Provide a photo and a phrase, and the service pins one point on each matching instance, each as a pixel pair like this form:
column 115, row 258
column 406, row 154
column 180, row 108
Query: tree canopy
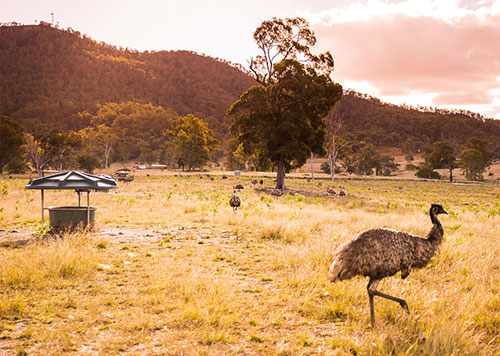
column 442, row 156
column 194, row 142
column 283, row 120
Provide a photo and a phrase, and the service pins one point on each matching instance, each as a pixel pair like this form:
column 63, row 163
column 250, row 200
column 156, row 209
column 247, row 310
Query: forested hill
column 365, row 118
column 50, row 75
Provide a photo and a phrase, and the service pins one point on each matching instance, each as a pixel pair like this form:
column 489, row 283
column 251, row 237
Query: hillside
column 369, row 119
column 49, row 75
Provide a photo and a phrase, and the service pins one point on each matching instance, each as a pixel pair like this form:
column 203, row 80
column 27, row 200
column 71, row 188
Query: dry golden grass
column 172, row 270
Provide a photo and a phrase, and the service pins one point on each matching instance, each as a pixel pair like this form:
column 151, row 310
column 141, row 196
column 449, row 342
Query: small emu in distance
column 380, row 253
column 235, row 201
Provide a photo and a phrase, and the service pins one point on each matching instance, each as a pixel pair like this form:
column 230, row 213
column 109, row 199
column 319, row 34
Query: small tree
column 337, row 147
column 236, row 156
column 88, row 162
column 11, row 141
column 367, row 159
column 63, row 144
column 472, row 163
column 102, row 140
column 193, row 141
column 443, row 156
column 387, row 166
column 349, row 163
column 42, row 146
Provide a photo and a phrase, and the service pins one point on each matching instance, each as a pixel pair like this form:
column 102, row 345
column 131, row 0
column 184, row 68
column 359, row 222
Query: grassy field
column 171, row 270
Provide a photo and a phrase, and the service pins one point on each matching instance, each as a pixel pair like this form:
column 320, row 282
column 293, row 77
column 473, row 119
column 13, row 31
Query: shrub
column 427, row 172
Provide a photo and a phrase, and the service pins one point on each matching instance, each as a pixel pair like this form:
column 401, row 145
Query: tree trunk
column 312, row 166
column 331, row 161
column 451, row 175
column 107, row 151
column 280, row 177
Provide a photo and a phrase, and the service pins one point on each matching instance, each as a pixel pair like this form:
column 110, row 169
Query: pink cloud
column 400, row 54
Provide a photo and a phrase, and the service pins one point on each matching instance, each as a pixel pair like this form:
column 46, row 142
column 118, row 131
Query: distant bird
column 235, row 201
column 254, row 181
column 261, row 182
column 224, row 177
column 330, row 191
column 239, row 187
column 276, row 192
column 341, row 193
column 380, row 253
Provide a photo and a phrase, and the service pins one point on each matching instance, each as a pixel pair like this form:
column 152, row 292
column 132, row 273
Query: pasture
column 171, row 270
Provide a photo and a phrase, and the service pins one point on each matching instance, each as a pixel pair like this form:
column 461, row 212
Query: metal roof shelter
column 79, row 181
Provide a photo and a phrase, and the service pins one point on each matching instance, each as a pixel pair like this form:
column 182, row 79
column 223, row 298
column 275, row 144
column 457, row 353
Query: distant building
column 158, row 166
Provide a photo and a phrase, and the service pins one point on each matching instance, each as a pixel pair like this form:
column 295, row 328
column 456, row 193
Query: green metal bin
column 71, row 217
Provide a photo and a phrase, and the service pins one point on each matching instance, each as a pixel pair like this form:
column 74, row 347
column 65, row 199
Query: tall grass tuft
column 37, row 265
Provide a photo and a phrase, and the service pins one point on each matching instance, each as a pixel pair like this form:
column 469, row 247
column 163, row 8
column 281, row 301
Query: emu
column 380, row 253
column 235, row 201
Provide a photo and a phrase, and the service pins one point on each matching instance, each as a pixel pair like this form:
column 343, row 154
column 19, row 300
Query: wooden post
column 79, row 198
column 42, row 205
column 88, row 209
column 312, row 166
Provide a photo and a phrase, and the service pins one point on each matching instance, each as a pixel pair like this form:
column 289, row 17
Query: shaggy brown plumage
column 235, row 201
column 380, row 253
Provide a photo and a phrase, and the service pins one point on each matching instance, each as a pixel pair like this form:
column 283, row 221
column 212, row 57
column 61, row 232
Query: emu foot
column 404, row 305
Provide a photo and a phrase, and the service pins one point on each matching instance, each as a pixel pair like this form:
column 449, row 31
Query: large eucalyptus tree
column 283, row 118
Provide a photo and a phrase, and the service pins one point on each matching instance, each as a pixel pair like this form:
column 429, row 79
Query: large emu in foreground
column 380, row 253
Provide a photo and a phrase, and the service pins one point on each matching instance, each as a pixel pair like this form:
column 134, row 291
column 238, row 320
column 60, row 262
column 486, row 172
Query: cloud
column 405, row 48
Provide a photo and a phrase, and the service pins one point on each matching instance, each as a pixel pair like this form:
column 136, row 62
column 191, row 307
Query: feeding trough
column 69, row 217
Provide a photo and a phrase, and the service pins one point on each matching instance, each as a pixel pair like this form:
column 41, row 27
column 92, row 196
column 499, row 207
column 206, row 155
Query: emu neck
column 436, row 233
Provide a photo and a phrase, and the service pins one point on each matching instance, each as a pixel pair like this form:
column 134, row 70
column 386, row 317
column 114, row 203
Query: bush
column 427, row 172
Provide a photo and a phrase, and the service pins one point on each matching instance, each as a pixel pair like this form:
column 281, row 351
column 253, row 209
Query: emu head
column 437, row 209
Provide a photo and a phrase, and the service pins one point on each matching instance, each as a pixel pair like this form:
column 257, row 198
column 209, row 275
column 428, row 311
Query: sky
column 439, row 53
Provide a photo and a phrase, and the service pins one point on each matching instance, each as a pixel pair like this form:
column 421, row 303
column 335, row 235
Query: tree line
column 126, row 131
column 87, row 104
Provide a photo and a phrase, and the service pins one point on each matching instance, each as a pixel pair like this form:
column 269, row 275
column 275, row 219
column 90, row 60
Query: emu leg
column 372, row 290
column 370, row 296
